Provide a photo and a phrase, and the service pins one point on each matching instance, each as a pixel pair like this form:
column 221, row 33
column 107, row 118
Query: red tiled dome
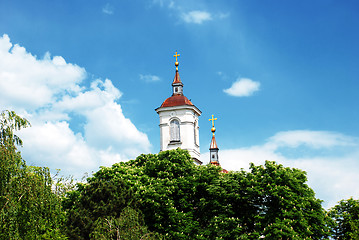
column 176, row 100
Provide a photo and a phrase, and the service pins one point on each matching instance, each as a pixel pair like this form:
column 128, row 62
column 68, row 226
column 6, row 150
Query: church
column 179, row 123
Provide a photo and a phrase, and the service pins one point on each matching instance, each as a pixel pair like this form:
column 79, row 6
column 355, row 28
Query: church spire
column 177, row 85
column 213, row 148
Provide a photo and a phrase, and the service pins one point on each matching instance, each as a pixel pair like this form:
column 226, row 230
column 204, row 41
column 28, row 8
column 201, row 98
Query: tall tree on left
column 28, row 207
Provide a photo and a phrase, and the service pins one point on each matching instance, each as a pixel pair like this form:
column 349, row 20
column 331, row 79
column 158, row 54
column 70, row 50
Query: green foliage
column 29, row 208
column 129, row 225
column 346, row 219
column 100, row 209
column 10, row 122
column 168, row 187
column 62, row 185
column 11, row 164
column 183, row 201
column 271, row 202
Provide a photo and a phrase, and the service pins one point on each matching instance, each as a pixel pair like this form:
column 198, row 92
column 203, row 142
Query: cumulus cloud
column 100, row 93
column 114, row 130
column 332, row 176
column 149, row 78
column 54, row 144
column 49, row 92
column 243, row 87
column 28, row 82
column 197, row 17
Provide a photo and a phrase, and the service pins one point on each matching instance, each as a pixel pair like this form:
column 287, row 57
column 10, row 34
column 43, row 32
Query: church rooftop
column 176, row 100
column 177, row 79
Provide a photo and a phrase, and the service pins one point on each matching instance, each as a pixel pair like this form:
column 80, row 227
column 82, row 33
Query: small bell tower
column 213, row 148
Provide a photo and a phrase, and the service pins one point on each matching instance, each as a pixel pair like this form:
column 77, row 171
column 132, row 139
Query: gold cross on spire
column 176, row 63
column 212, row 119
column 176, row 55
column 213, row 129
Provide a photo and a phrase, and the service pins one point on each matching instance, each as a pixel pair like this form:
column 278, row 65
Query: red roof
column 177, row 79
column 213, row 143
column 176, row 100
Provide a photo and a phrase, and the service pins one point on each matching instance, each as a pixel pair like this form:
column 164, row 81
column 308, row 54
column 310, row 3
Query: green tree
column 103, row 208
column 29, row 208
column 184, row 201
column 11, row 163
column 271, row 202
column 345, row 216
column 170, row 189
column 129, row 225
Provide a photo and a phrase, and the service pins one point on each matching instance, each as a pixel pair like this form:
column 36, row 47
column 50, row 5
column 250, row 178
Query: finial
column 176, row 63
column 213, row 129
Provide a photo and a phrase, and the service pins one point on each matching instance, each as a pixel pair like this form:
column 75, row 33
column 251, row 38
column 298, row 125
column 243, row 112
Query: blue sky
column 280, row 76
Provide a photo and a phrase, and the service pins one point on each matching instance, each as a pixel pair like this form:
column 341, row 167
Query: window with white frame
column 195, row 133
column 175, row 130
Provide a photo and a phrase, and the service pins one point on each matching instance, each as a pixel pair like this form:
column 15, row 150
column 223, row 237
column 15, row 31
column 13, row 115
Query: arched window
column 175, row 130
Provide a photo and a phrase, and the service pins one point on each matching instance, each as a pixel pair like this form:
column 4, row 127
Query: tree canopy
column 28, row 207
column 104, row 209
column 346, row 219
column 184, row 201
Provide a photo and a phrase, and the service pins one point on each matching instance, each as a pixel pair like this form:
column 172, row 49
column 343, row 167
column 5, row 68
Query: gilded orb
column 176, row 63
column 213, row 129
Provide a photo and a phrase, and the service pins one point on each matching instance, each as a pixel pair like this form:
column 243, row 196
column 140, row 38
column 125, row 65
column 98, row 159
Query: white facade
column 179, row 128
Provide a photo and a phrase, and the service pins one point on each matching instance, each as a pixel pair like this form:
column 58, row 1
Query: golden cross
column 177, row 55
column 213, row 119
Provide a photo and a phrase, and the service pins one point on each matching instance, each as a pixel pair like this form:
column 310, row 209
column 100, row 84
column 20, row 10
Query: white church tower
column 179, row 121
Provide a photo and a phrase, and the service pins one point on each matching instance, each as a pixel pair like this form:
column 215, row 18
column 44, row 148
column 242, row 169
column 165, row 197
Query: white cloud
column 100, row 94
column 197, row 17
column 49, row 93
column 114, row 130
column 243, row 87
column 150, row 78
column 28, row 82
column 314, row 139
column 55, row 145
column 108, row 9
column 333, row 176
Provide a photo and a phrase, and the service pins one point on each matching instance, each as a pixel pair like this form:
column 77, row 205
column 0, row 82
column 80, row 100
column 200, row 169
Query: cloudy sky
column 282, row 77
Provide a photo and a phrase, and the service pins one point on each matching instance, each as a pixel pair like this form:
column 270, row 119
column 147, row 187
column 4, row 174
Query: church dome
column 176, row 100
